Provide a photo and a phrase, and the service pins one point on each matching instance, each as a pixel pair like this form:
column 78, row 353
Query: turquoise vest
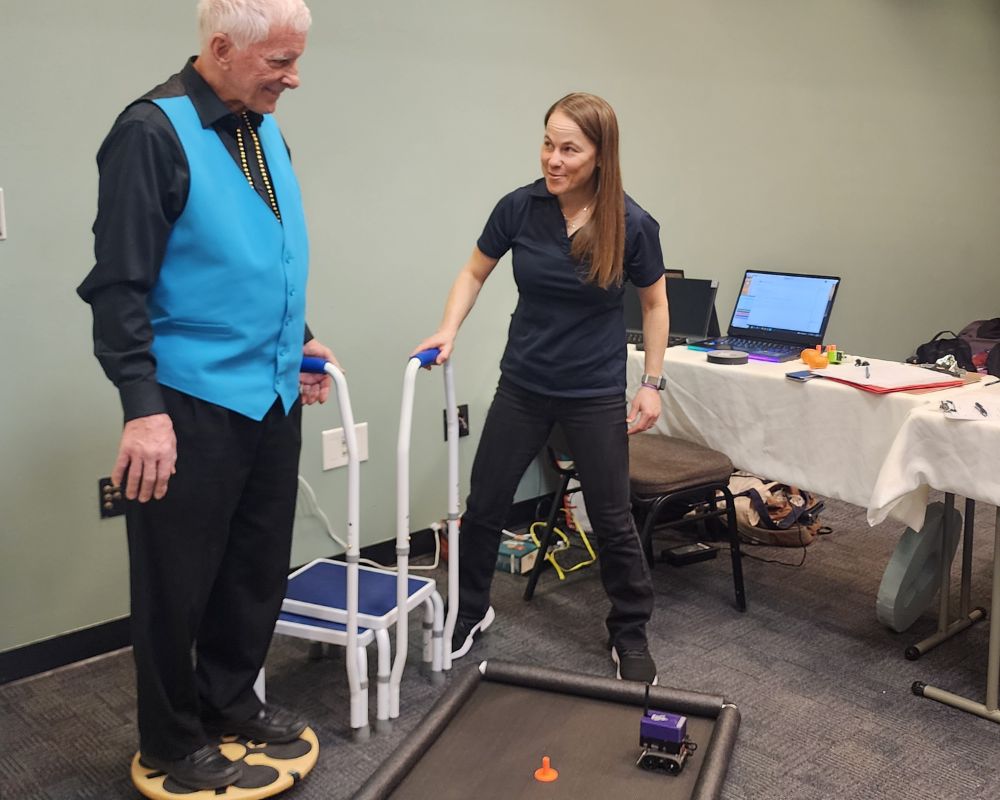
column 228, row 307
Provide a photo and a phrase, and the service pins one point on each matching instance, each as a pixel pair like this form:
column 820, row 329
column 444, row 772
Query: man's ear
column 221, row 48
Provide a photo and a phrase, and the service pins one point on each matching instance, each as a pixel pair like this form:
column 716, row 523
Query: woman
column 575, row 238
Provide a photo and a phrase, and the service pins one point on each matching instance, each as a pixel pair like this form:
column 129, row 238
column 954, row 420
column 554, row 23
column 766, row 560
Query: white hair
column 249, row 21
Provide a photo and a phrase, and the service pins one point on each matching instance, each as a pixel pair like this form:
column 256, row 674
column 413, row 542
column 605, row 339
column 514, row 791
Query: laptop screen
column 632, row 309
column 691, row 301
column 784, row 306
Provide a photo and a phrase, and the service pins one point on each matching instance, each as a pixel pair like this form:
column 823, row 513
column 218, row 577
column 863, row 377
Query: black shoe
column 205, row 768
column 634, row 664
column 466, row 631
column 270, row 725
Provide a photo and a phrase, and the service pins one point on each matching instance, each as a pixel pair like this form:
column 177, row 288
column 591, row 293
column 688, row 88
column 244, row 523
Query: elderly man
column 198, row 297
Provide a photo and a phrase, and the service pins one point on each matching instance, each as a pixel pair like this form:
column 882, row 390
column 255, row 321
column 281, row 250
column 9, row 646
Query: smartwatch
column 657, row 382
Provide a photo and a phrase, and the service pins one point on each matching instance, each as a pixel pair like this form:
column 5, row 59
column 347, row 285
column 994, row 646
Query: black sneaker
column 634, row 664
column 270, row 725
column 205, row 768
column 466, row 631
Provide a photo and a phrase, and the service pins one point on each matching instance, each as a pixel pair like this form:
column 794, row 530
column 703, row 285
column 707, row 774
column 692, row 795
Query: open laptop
column 777, row 315
column 691, row 302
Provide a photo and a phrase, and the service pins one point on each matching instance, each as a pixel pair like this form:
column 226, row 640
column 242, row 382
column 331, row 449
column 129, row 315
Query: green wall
column 856, row 138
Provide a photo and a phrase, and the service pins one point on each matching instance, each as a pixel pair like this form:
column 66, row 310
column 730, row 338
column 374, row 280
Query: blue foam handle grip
column 313, row 364
column 427, row 358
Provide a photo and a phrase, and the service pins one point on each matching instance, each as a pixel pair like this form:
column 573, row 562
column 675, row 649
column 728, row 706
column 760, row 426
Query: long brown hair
column 601, row 242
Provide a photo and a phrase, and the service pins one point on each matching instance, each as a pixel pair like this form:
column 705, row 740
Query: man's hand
column 148, row 451
column 314, row 387
column 645, row 410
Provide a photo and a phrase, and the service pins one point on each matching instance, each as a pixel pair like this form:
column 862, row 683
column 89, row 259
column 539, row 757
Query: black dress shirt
column 144, row 182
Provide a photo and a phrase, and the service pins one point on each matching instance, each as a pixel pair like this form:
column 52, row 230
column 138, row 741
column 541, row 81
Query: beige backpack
column 772, row 513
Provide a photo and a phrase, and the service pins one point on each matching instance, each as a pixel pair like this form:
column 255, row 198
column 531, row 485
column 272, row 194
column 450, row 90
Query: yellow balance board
column 267, row 770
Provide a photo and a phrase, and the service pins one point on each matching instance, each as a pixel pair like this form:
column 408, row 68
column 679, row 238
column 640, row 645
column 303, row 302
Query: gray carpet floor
column 823, row 688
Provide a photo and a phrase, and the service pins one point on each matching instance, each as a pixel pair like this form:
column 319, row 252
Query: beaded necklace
column 272, row 201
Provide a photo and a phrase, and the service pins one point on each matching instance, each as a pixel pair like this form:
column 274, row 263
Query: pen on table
column 981, row 410
column 867, row 374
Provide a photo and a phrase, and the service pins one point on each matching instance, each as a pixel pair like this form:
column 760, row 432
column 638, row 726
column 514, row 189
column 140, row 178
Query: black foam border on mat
column 717, row 753
column 601, row 688
column 712, row 777
column 390, row 774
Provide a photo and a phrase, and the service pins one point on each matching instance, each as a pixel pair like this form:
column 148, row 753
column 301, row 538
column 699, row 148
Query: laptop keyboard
column 741, row 343
column 755, row 348
column 635, row 337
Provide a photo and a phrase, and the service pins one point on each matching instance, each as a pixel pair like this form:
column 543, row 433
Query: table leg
column 993, row 665
column 967, row 538
column 989, row 709
column 967, row 618
column 944, row 598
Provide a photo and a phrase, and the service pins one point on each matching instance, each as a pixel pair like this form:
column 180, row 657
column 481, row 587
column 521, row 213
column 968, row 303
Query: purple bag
column 982, row 334
column 993, row 361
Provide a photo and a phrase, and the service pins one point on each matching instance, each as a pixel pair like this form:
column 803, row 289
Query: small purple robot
column 664, row 742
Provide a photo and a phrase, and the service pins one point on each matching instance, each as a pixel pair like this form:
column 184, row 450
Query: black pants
column 208, row 568
column 517, row 426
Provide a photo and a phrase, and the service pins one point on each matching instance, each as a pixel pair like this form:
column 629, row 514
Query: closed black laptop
column 691, row 302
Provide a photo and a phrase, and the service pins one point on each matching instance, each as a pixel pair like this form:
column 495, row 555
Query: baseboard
column 33, row 659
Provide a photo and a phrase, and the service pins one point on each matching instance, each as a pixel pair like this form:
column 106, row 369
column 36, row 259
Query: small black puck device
column 731, row 357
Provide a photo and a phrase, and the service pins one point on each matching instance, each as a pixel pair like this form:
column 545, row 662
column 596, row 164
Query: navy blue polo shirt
column 566, row 336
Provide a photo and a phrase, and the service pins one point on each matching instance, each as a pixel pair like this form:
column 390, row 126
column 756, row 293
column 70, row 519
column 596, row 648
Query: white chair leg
column 359, row 699
column 427, row 655
column 439, row 646
column 393, row 685
column 384, row 646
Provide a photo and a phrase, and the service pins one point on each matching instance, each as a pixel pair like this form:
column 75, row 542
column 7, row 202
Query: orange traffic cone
column 545, row 773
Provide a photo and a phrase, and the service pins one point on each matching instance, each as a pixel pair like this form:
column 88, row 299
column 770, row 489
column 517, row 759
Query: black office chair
column 670, row 477
column 566, row 470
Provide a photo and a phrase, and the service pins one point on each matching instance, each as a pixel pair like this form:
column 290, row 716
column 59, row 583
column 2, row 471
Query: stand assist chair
column 344, row 603
column 669, row 474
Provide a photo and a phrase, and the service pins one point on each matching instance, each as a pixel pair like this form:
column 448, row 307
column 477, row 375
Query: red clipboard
column 875, row 389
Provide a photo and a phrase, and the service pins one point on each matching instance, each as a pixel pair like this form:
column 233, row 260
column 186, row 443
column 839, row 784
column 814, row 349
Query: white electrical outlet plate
column 3, row 219
column 335, row 446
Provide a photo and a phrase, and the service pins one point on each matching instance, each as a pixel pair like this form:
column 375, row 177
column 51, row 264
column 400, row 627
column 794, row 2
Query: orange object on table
column 814, row 359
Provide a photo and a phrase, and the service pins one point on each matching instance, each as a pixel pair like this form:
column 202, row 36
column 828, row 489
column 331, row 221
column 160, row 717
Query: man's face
column 259, row 73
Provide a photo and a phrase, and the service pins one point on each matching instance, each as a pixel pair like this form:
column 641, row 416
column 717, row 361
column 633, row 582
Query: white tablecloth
column 823, row 436
column 959, row 456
